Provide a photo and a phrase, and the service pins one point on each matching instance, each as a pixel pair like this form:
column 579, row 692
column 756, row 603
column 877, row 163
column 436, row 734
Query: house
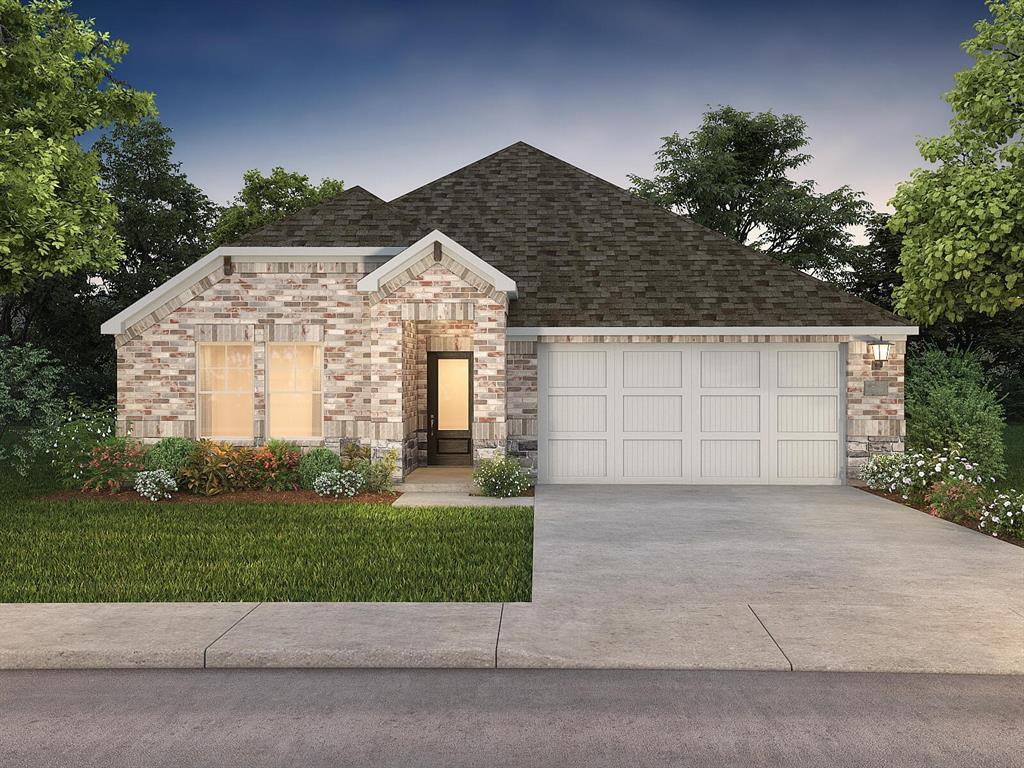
column 518, row 304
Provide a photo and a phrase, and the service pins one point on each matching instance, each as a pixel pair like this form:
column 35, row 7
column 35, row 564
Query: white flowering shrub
column 911, row 475
column 80, row 430
column 338, row 482
column 503, row 477
column 155, row 484
column 1004, row 515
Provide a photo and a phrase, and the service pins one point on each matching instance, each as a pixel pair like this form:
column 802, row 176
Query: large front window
column 225, row 391
column 294, row 396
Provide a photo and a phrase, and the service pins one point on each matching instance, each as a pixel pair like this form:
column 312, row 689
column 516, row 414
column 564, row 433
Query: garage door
column 691, row 413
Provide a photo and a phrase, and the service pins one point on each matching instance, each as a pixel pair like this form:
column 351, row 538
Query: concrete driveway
column 761, row 578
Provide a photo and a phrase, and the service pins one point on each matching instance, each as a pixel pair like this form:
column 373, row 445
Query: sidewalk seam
column 771, row 636
column 240, row 619
column 497, row 638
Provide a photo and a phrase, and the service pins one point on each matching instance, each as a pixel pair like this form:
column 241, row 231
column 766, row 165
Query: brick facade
column 375, row 357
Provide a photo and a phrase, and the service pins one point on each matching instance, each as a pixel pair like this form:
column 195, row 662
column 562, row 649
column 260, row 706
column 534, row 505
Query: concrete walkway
column 652, row 577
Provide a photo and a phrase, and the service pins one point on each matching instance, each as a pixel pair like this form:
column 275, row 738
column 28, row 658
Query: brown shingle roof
column 353, row 218
column 583, row 251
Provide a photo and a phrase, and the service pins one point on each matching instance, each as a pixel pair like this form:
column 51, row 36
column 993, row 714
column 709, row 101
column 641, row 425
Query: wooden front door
column 449, row 408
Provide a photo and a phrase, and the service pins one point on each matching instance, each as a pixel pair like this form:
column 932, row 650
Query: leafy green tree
column 264, row 199
column 164, row 222
column 56, row 83
column 732, row 175
column 874, row 267
column 163, row 219
column 962, row 220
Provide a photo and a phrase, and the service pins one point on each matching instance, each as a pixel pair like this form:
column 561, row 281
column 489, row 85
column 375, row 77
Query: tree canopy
column 962, row 221
column 264, row 199
column 732, row 175
column 56, row 84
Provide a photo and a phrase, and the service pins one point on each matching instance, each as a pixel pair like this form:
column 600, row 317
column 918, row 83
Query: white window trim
column 199, row 392
column 266, row 389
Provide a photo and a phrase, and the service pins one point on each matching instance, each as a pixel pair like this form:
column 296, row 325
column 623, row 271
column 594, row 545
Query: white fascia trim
column 873, row 331
column 416, row 251
column 213, row 260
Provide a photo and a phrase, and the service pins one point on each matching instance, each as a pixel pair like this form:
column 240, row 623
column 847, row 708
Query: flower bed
column 949, row 486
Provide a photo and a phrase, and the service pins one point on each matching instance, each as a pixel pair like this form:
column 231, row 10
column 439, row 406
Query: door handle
column 433, row 424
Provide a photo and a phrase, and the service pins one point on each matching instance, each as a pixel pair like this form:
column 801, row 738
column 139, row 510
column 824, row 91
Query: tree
column 56, row 83
column 962, row 221
column 264, row 199
column 164, row 220
column 30, row 403
column 874, row 267
column 164, row 223
column 731, row 175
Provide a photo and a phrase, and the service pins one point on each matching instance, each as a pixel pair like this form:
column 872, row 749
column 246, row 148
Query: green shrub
column 912, row 475
column 170, row 454
column 1003, row 516
column 955, row 500
column 315, row 463
column 353, row 452
column 82, row 429
column 31, row 405
column 214, row 468
column 113, row 465
column 376, row 476
column 503, row 476
column 337, row 482
column 275, row 466
column 948, row 400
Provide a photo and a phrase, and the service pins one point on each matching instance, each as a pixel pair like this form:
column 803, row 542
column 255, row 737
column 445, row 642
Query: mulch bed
column 972, row 524
column 254, row 497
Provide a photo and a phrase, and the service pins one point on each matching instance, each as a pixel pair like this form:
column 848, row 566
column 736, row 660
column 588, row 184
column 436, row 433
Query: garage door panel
column 652, row 369
column 691, row 413
column 808, row 413
column 570, row 458
column 730, row 413
column 660, row 459
column 730, row 459
column 578, row 368
column 730, row 368
column 652, row 413
column 807, row 459
column 577, row 413
column 808, row 368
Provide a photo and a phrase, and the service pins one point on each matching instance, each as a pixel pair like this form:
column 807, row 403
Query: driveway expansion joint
column 235, row 624
column 497, row 637
column 788, row 661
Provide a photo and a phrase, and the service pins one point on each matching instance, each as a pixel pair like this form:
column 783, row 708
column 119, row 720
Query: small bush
column 377, row 475
column 337, row 482
column 949, row 400
column 81, row 429
column 955, row 500
column 275, row 466
column 113, row 465
column 353, row 452
column 912, row 475
column 170, row 454
column 214, row 468
column 503, row 477
column 1003, row 516
column 30, row 403
column 315, row 462
column 155, row 484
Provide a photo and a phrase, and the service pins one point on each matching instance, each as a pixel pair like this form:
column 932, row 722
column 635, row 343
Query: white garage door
column 691, row 413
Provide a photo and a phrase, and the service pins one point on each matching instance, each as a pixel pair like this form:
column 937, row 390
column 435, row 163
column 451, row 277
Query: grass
column 102, row 551
column 1014, row 440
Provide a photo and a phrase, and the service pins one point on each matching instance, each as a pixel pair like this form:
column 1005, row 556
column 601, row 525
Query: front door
column 449, row 408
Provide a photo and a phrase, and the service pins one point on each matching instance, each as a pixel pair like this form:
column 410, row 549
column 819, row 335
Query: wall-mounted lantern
column 880, row 352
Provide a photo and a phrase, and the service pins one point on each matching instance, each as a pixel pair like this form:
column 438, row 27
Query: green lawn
column 1015, row 456
column 56, row 551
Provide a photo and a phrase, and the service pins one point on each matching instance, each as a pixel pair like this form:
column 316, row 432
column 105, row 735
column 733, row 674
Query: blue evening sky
column 390, row 95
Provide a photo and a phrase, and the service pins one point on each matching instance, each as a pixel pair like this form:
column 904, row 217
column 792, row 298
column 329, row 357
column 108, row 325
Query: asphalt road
column 255, row 718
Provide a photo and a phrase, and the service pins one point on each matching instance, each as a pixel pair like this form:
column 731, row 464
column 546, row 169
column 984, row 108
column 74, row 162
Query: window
column 225, row 390
column 294, row 397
